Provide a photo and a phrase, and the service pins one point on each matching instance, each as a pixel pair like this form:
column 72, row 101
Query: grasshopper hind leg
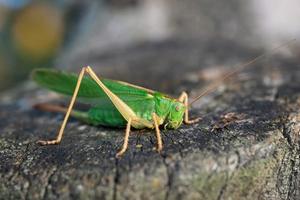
column 184, row 99
column 80, row 115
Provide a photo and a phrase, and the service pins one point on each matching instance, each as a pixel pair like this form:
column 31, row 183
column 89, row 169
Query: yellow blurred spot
column 38, row 30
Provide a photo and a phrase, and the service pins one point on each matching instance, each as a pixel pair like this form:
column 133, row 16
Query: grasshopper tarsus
column 193, row 121
column 159, row 150
column 47, row 142
column 159, row 147
column 119, row 155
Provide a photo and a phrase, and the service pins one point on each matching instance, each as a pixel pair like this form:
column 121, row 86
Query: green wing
column 64, row 83
column 102, row 112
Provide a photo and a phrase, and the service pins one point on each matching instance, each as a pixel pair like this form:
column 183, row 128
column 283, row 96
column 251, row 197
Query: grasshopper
column 120, row 104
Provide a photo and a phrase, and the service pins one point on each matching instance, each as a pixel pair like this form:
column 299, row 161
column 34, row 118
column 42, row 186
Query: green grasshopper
column 120, row 104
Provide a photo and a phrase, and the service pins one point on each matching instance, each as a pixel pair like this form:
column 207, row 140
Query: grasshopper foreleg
column 184, row 99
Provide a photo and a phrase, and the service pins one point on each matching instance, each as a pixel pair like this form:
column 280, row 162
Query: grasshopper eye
column 177, row 108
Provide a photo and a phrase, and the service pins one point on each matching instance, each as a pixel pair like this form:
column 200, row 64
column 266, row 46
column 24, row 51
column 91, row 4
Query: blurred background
column 59, row 33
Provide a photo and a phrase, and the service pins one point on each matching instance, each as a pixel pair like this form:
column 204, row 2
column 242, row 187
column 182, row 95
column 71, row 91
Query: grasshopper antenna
column 238, row 68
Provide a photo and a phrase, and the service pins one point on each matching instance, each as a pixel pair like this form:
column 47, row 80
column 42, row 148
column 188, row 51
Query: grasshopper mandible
column 120, row 104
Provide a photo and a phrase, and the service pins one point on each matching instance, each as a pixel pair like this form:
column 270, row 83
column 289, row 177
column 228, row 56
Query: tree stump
column 245, row 147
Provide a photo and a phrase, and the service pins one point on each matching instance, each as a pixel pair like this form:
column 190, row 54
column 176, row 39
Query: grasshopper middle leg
column 158, row 136
column 126, row 137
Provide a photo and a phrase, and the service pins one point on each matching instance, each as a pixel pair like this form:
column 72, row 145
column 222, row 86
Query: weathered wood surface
column 256, row 156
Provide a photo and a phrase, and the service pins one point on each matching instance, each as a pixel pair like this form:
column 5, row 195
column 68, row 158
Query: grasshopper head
column 175, row 116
